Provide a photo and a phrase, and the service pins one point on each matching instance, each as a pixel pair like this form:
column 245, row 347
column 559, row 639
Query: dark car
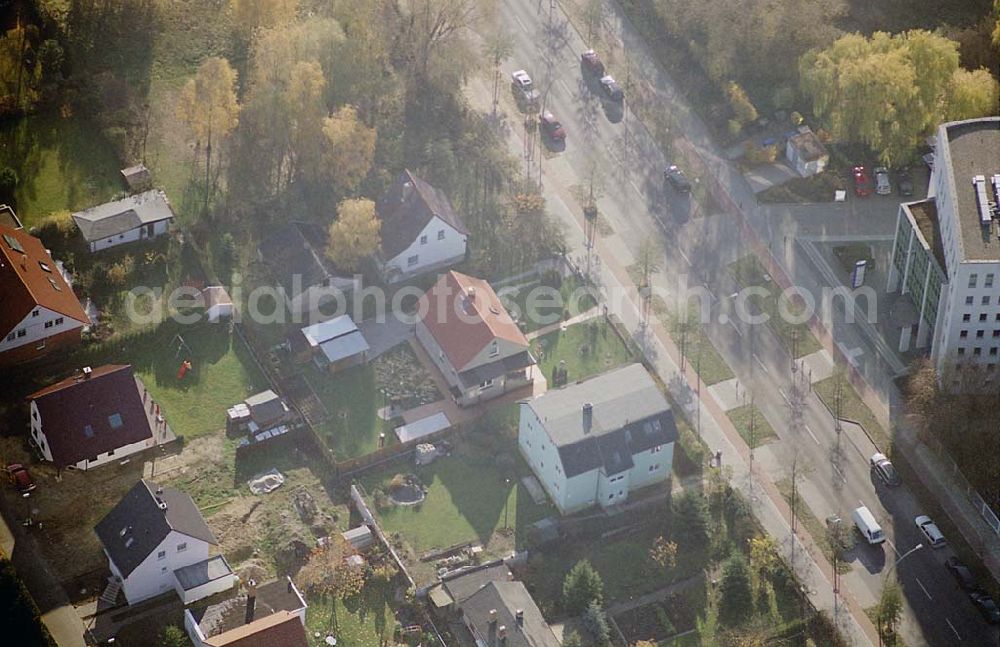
column 862, row 181
column 961, row 573
column 611, row 89
column 904, row 183
column 677, row 179
column 885, row 470
column 19, row 476
column 551, row 127
column 987, row 606
column 591, row 63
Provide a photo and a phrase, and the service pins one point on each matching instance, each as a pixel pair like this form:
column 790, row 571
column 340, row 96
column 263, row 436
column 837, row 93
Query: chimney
column 471, row 292
column 406, row 192
column 519, row 614
column 251, row 599
column 588, row 417
column 493, row 616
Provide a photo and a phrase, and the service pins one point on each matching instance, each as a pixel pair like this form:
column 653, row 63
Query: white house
column 420, row 230
column 269, row 614
column 142, row 216
column 595, row 441
column 151, row 537
column 806, row 153
column 38, row 311
column 95, row 417
column 311, row 286
column 472, row 339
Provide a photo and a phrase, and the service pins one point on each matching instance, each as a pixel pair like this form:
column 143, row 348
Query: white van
column 865, row 522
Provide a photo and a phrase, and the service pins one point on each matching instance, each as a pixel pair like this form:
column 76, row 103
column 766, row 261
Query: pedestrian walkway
column 655, row 596
column 563, row 325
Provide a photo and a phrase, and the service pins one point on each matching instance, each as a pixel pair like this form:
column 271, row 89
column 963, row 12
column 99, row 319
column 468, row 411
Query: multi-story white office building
column 946, row 253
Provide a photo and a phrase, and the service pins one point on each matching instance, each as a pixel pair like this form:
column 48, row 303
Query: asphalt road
column 638, row 205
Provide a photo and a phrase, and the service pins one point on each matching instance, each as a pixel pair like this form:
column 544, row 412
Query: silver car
column 882, row 185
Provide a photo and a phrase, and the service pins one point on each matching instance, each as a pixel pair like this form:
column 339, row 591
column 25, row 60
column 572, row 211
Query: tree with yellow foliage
column 349, row 148
column 254, row 14
column 354, row 236
column 209, row 107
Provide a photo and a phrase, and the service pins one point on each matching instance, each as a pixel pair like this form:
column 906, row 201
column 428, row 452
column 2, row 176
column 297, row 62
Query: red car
column 862, row 181
column 551, row 127
column 18, row 475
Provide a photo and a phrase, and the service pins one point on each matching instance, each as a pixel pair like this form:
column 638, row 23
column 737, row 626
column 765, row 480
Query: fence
column 366, row 515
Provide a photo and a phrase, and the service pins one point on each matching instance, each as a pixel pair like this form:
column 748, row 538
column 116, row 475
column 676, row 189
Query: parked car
column 883, row 467
column 591, row 63
column 551, row 127
column 882, row 185
column 865, row 522
column 930, row 530
column 524, row 87
column 611, row 89
column 677, row 179
column 904, row 183
column 20, row 478
column 862, row 181
column 987, row 606
column 961, row 573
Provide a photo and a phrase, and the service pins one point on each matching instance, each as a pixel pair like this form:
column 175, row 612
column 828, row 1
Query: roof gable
column 83, row 417
column 144, row 517
column 464, row 315
column 29, row 278
column 406, row 209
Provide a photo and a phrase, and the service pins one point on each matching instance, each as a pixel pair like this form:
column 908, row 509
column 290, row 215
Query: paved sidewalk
column 563, row 325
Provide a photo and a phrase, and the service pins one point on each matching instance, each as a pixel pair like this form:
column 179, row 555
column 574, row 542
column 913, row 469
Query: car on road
column 862, row 181
column 882, row 185
column 551, row 127
column 904, row 183
column 883, row 467
column 987, row 606
column 930, row 530
column 524, row 87
column 611, row 89
column 20, row 478
column 866, row 524
column 961, row 573
column 675, row 176
column 591, row 63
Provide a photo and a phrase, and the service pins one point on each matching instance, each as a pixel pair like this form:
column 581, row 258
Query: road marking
column 815, row 438
column 955, row 631
column 565, row 87
column 735, row 328
column 636, row 187
column 519, row 23
column 923, row 588
column 684, row 256
column 888, row 541
column 761, row 364
column 785, row 397
column 839, row 473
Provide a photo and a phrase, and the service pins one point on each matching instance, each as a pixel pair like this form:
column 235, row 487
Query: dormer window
column 88, row 431
column 494, row 348
column 115, row 420
column 45, row 266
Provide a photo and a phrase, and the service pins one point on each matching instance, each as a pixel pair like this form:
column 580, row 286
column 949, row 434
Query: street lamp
column 506, row 501
column 885, row 580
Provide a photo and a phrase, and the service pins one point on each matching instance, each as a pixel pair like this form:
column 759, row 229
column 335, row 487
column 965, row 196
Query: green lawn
column 356, row 623
column 740, row 417
column 588, row 348
column 815, row 526
column 701, row 354
column 62, row 164
column 575, row 297
column 353, row 397
column 469, row 494
column 852, row 407
column 222, row 374
column 749, row 272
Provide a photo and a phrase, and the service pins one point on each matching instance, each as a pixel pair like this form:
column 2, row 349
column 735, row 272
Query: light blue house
column 595, row 441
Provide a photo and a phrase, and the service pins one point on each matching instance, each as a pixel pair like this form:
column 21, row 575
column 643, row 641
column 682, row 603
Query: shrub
column 596, row 623
column 582, row 586
column 736, row 600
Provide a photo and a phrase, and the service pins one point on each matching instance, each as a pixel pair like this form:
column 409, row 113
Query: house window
column 45, row 266
column 48, row 324
column 494, row 348
column 423, row 240
column 22, row 332
column 973, row 278
column 111, row 453
column 961, row 350
column 485, row 384
column 115, row 420
column 611, row 496
column 654, row 468
column 11, row 336
column 59, row 321
column 440, row 234
column 161, row 555
column 34, row 313
column 657, row 449
column 411, row 261
column 163, row 570
column 182, row 547
column 88, row 431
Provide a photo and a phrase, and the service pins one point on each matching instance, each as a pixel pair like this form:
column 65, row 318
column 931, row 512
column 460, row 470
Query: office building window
column 963, row 334
column 977, row 351
column 968, row 301
column 982, row 317
column 966, row 317
column 979, row 334
column 973, row 279
column 985, row 301
column 989, row 281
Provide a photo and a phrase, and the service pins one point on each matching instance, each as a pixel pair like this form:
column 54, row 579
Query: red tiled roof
column 462, row 337
column 69, row 407
column 25, row 285
column 280, row 629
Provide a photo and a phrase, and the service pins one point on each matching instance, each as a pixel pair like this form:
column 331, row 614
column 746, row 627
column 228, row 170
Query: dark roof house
column 407, row 208
column 144, row 517
column 503, row 614
column 264, row 615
